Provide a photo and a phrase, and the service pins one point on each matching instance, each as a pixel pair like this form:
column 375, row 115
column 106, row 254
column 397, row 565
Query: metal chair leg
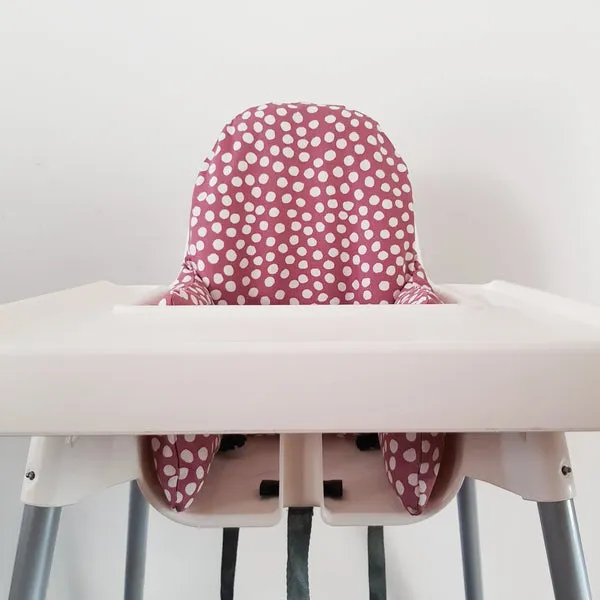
column 35, row 550
column 137, row 534
column 469, row 540
column 564, row 550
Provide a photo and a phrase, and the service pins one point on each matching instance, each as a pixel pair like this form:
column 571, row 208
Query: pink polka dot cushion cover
column 301, row 204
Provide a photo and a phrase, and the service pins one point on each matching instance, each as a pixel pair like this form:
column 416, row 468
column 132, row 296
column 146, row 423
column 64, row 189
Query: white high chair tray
column 101, row 359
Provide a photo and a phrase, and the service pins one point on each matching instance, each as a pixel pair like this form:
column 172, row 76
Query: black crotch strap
column 298, row 544
column 231, row 537
column 376, row 557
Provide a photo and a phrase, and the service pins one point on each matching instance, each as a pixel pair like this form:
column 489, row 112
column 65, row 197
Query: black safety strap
column 375, row 540
column 298, row 544
column 376, row 557
column 231, row 537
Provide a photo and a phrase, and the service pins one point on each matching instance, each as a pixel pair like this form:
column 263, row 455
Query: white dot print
column 186, row 456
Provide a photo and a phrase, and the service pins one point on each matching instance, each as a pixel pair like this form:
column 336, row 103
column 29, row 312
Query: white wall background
column 106, row 109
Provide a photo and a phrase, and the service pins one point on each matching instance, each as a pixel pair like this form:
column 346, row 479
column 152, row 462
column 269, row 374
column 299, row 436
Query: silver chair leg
column 469, row 540
column 564, row 550
column 137, row 534
column 35, row 550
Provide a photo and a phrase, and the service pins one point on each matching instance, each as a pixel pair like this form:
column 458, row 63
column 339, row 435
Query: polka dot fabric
column 412, row 464
column 302, row 204
column 182, row 463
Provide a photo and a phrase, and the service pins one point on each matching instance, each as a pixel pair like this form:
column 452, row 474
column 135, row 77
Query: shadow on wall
column 472, row 231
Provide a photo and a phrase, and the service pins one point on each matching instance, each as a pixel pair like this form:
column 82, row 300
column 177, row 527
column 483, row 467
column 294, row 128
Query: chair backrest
column 302, row 204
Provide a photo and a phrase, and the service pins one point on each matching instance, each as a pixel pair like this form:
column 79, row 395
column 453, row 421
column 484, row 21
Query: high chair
column 362, row 388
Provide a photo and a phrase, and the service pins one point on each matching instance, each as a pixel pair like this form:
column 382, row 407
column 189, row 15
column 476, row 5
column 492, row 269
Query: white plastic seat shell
column 230, row 497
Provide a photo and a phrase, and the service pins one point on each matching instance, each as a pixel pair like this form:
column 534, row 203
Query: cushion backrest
column 302, row 204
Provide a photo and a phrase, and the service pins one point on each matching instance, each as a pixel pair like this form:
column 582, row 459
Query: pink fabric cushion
column 412, row 460
column 301, row 204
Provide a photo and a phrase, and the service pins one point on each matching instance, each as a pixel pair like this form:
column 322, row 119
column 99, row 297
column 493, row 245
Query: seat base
column 534, row 465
